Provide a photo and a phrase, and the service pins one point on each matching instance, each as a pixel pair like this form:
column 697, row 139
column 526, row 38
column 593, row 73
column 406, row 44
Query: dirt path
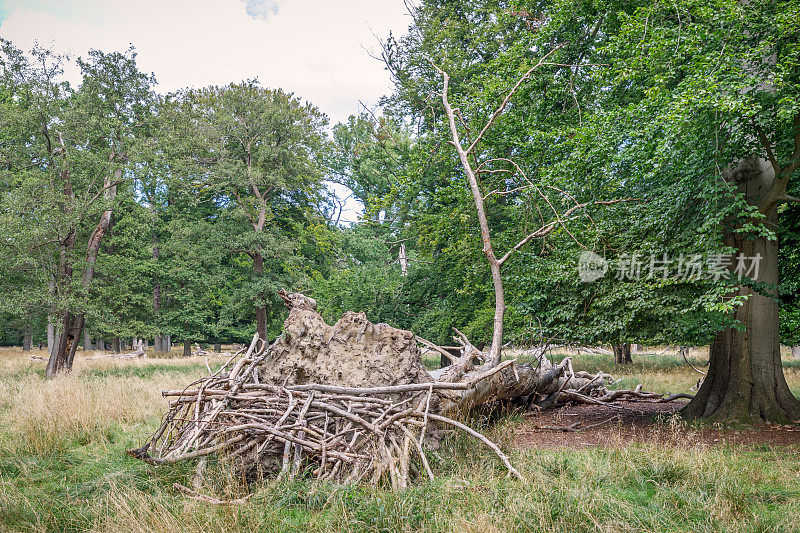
column 596, row 425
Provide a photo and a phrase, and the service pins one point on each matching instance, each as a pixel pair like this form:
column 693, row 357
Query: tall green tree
column 69, row 160
column 258, row 149
column 689, row 107
column 711, row 93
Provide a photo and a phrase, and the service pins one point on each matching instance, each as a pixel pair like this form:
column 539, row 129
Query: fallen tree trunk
column 352, row 402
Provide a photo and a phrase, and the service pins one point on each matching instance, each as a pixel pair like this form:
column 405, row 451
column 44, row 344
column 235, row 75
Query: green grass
column 643, row 488
column 85, row 482
column 144, row 372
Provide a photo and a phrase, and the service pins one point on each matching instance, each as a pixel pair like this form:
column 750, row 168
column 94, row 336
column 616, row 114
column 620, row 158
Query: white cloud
column 261, row 9
column 314, row 48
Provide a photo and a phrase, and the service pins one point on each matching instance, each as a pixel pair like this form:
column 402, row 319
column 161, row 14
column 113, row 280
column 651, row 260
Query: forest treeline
column 126, row 213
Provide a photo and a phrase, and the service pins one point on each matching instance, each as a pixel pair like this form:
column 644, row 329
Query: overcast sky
column 318, row 49
column 314, row 48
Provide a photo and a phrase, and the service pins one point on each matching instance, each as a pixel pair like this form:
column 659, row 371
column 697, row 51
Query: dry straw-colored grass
column 61, row 469
column 46, row 416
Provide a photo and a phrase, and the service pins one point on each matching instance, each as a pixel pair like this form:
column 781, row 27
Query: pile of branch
column 346, row 434
column 352, row 402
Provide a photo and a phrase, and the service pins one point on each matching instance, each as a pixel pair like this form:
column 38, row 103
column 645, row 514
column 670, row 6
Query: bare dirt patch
column 640, row 422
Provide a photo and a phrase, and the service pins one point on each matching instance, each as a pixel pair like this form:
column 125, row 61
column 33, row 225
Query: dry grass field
column 63, row 467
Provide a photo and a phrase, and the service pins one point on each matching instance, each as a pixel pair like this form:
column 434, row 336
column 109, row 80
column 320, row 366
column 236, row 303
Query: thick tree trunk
column 65, row 344
column 622, row 353
column 261, row 308
column 101, row 344
column 187, row 348
column 87, row 340
column 115, row 345
column 745, row 380
column 217, row 347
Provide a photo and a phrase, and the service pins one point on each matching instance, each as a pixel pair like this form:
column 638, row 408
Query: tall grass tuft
column 50, row 416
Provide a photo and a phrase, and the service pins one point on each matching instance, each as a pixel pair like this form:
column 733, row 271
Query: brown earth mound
column 351, row 353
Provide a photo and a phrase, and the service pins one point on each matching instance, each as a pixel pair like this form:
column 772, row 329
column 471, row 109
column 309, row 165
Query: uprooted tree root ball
column 352, row 402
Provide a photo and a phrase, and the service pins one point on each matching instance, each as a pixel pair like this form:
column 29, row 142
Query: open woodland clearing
column 213, row 337
column 70, row 473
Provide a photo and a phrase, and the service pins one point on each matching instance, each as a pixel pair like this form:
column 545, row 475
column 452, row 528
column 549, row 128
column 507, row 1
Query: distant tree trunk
column 166, row 342
column 795, row 351
column 638, row 348
column 622, row 353
column 187, row 348
column 101, row 344
column 261, row 308
column 217, row 347
column 403, row 260
column 745, row 380
column 51, row 336
column 87, row 340
column 27, row 338
column 158, row 340
column 115, row 345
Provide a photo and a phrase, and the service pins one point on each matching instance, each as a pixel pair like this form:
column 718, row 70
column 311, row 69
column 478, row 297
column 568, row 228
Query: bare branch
column 548, row 228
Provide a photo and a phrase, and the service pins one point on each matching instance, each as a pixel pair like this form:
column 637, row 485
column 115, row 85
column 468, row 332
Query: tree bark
column 51, row 335
column 65, row 337
column 166, row 342
column 115, row 345
column 745, row 380
column 27, row 339
column 187, row 348
column 217, row 347
column 158, row 340
column 261, row 308
column 622, row 353
column 87, row 340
